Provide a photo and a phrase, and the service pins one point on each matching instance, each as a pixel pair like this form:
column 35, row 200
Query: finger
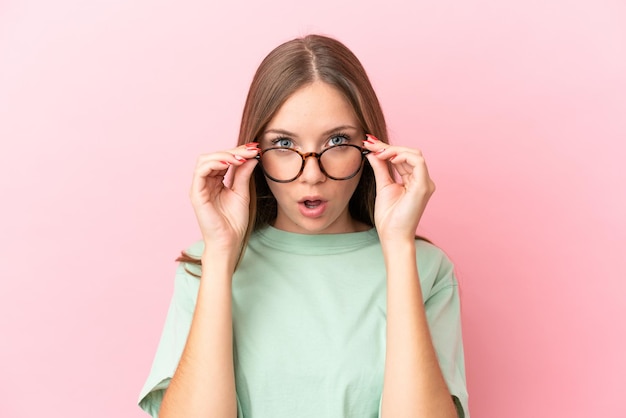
column 209, row 171
column 251, row 148
column 241, row 155
column 379, row 165
column 210, row 168
column 389, row 152
column 235, row 156
column 405, row 162
column 375, row 145
column 411, row 156
column 207, row 175
column 241, row 177
column 223, row 159
column 414, row 172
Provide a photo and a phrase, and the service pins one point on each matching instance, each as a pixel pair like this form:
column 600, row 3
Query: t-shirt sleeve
column 172, row 343
column 443, row 311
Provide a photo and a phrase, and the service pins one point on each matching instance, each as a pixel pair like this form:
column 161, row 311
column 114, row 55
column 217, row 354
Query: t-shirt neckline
column 297, row 243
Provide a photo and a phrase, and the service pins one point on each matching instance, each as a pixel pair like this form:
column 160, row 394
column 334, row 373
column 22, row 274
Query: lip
column 305, row 198
column 314, row 212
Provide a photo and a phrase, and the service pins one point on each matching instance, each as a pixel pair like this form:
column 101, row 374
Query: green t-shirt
column 309, row 319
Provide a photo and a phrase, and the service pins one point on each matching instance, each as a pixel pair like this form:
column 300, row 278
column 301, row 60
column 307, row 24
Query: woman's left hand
column 399, row 206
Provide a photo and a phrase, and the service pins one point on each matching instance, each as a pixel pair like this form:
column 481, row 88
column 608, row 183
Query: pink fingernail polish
column 373, row 137
column 225, row 162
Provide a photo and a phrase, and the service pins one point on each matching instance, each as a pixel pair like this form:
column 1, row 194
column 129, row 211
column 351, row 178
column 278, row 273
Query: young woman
column 315, row 298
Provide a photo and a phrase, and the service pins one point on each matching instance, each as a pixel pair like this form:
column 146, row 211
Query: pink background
column 519, row 106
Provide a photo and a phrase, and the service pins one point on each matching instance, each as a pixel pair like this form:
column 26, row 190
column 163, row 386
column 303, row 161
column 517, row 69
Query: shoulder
column 430, row 253
column 195, row 250
column 190, row 270
column 434, row 264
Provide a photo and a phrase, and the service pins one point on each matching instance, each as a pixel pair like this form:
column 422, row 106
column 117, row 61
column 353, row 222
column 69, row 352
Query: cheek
column 350, row 187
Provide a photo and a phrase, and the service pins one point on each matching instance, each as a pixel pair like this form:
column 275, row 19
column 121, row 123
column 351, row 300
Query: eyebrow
column 291, row 134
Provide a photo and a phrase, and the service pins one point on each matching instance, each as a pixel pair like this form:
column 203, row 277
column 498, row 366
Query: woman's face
column 313, row 119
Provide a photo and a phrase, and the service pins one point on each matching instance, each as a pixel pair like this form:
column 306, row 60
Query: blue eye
column 283, row 143
column 338, row 140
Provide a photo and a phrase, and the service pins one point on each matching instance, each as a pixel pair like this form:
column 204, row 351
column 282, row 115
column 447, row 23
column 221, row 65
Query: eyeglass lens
column 340, row 162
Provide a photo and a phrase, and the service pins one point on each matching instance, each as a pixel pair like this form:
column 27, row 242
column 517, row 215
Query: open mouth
column 312, row 204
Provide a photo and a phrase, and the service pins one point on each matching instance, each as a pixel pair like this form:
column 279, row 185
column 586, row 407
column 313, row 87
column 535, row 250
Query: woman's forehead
column 317, row 107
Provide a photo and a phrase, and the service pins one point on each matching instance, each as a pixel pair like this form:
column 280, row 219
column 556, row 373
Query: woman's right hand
column 222, row 209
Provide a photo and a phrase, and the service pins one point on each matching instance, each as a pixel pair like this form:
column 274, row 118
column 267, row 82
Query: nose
column 312, row 172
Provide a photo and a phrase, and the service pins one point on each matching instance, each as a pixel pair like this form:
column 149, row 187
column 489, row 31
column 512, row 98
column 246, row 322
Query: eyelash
column 342, row 135
column 345, row 136
column 280, row 138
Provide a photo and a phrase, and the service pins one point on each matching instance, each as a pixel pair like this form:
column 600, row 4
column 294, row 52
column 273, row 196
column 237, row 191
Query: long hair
column 286, row 69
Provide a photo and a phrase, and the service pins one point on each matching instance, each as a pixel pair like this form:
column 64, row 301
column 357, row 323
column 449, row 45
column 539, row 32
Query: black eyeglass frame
column 318, row 156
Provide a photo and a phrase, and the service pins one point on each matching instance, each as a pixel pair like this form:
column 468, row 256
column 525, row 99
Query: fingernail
column 372, row 137
column 225, row 162
column 239, row 158
column 252, row 148
column 252, row 144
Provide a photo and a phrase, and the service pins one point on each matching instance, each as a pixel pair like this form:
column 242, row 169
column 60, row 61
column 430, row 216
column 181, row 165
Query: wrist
column 397, row 243
column 397, row 249
column 219, row 262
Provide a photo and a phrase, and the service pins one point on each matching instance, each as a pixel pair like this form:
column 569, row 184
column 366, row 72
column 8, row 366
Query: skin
column 308, row 121
column 204, row 383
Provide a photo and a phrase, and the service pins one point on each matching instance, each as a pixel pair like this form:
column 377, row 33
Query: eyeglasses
column 339, row 162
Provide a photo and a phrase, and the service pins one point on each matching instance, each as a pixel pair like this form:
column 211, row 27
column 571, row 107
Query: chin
column 315, row 226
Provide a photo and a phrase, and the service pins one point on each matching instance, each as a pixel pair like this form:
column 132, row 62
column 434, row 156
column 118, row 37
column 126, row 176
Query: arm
column 413, row 384
column 204, row 381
